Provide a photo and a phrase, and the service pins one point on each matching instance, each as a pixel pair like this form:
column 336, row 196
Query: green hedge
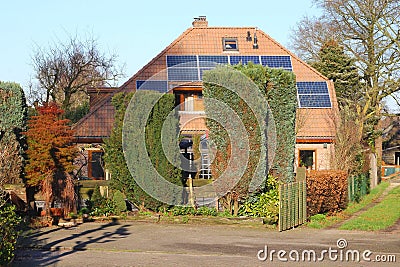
column 232, row 119
column 9, row 223
column 121, row 178
column 279, row 89
column 13, row 117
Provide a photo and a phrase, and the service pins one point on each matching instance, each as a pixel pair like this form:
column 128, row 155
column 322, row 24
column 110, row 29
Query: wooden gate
column 292, row 205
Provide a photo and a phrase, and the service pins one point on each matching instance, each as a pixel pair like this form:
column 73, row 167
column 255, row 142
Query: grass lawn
column 379, row 217
column 320, row 221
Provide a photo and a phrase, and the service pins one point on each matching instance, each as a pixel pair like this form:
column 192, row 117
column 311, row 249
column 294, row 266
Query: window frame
column 90, row 162
column 230, row 39
column 314, row 153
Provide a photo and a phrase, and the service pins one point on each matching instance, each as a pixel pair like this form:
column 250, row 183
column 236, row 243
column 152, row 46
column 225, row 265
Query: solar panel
column 315, row 101
column 183, row 74
column 160, row 86
column 186, row 61
column 277, row 62
column 205, row 61
column 313, row 95
column 244, row 59
column 312, row 88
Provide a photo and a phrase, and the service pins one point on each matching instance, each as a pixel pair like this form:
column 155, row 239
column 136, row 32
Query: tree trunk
column 373, row 170
column 235, row 207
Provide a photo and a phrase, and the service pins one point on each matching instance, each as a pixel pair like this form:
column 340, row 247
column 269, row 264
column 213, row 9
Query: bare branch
column 65, row 70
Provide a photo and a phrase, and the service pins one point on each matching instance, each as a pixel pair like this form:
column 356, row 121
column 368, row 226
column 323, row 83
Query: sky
column 136, row 31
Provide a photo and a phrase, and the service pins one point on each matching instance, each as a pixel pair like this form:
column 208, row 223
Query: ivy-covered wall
column 116, row 161
column 278, row 87
column 225, row 112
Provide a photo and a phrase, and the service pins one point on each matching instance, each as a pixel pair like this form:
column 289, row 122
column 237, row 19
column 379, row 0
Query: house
column 391, row 141
column 178, row 69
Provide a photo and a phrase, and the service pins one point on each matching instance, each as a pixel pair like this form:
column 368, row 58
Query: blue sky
column 134, row 30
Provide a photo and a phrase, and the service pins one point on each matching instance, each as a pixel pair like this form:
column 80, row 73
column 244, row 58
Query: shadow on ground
column 38, row 251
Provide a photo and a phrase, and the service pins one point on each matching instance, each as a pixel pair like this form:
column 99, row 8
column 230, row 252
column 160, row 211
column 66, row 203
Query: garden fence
column 292, row 205
column 358, row 186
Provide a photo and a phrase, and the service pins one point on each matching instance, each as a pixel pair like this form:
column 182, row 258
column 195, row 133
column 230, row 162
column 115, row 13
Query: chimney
column 200, row 22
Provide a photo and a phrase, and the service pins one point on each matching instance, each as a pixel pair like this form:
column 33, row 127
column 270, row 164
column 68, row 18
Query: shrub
column 9, row 222
column 276, row 86
column 262, row 205
column 180, row 210
column 327, row 192
column 119, row 201
column 97, row 199
column 101, row 206
column 104, row 208
column 207, row 211
column 265, row 204
column 202, row 211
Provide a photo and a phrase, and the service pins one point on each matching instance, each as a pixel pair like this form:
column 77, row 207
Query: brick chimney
column 200, row 22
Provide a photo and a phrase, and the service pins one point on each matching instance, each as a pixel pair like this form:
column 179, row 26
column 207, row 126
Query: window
column 95, row 164
column 230, row 44
column 190, row 101
column 396, row 158
column 307, row 159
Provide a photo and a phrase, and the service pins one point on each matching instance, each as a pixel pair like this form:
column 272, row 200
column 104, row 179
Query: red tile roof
column 208, row 41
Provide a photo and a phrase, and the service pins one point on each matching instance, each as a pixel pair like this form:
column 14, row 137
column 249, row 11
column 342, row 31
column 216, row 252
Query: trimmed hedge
column 279, row 87
column 116, row 160
column 327, row 192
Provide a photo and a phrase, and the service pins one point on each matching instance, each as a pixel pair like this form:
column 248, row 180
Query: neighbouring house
column 391, row 140
column 178, row 69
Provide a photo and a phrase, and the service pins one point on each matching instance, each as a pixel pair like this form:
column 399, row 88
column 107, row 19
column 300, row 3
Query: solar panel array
column 313, row 95
column 234, row 60
column 187, row 61
column 191, row 67
column 209, row 61
column 153, row 85
column 188, row 68
column 283, row 62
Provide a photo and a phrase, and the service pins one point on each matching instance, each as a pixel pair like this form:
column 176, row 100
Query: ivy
column 115, row 161
column 279, row 89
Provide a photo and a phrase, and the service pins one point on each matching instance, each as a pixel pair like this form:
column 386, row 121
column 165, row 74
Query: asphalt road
column 153, row 244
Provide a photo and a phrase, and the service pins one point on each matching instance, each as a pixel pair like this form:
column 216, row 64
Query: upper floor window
column 230, row 44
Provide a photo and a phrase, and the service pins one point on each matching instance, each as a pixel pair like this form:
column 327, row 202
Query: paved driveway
column 152, row 244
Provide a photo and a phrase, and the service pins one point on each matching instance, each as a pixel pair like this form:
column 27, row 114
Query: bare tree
column 310, row 34
column 369, row 32
column 348, row 149
column 65, row 70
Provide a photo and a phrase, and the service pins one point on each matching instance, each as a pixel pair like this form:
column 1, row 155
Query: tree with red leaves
column 50, row 157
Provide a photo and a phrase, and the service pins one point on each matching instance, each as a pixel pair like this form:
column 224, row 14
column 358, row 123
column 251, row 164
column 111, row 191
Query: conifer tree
column 50, row 156
column 13, row 116
column 341, row 69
